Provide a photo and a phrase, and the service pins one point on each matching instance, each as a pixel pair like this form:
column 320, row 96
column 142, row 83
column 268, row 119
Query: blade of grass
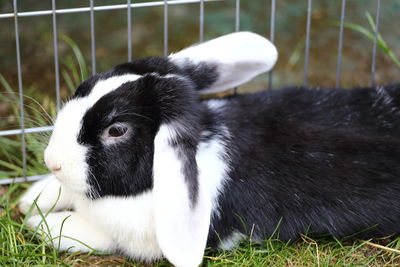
column 382, row 45
column 385, row 48
column 78, row 55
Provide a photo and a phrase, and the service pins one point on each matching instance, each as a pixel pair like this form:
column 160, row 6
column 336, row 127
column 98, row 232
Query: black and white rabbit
column 152, row 171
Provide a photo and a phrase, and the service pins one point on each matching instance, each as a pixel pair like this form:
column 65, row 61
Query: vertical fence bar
column 340, row 45
column 373, row 64
column 237, row 28
column 272, row 37
column 237, row 16
column 307, row 46
column 165, row 27
column 20, row 89
column 55, row 45
column 201, row 30
column 129, row 19
column 93, row 40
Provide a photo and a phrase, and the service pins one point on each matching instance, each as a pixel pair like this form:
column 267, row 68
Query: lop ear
column 236, row 58
column 182, row 208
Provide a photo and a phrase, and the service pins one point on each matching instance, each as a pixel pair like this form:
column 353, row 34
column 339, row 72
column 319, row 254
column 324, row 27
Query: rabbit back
column 310, row 161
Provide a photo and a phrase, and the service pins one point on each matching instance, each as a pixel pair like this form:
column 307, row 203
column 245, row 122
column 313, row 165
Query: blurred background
column 74, row 49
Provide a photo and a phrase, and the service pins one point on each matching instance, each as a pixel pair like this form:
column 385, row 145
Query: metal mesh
column 23, row 131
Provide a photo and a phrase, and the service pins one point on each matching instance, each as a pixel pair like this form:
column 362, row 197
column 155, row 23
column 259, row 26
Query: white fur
column 213, row 167
column 110, row 223
column 383, row 96
column 76, row 233
column 216, row 103
column 232, row 241
column 239, row 57
column 48, row 194
column 129, row 221
column 182, row 230
column 104, row 87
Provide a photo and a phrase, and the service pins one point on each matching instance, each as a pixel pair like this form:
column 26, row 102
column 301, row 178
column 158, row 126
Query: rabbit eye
column 117, row 130
column 116, row 133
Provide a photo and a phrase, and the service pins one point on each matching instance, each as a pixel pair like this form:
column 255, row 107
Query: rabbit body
column 148, row 169
column 311, row 161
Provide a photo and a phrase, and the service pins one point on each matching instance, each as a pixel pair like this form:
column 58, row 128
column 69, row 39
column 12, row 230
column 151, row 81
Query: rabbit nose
column 51, row 162
column 54, row 167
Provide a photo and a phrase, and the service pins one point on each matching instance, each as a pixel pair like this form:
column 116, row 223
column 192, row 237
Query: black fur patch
column 185, row 145
column 311, row 161
column 125, row 168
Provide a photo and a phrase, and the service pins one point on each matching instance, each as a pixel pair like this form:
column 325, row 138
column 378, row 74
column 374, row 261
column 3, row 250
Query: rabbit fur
column 142, row 166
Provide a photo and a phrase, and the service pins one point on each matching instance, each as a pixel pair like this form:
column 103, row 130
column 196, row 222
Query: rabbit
column 141, row 165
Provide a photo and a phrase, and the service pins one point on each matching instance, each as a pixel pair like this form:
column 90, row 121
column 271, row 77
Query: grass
column 19, row 247
column 10, row 146
column 74, row 71
column 370, row 34
column 382, row 45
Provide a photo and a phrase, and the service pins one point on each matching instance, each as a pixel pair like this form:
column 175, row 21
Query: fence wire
column 373, row 65
column 129, row 6
column 340, row 45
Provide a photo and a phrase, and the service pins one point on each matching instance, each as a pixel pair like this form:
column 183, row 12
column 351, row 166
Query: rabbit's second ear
column 182, row 209
column 236, row 58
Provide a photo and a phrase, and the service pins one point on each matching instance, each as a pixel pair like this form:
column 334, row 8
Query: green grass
column 36, row 114
column 382, row 45
column 74, row 70
column 370, row 35
column 19, row 247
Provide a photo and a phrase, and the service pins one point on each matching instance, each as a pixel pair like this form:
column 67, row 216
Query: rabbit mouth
column 72, row 181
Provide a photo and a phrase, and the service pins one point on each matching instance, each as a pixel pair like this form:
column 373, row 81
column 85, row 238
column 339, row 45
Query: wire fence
column 92, row 9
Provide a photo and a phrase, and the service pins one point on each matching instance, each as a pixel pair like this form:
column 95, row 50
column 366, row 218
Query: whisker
column 36, row 112
column 31, row 119
column 46, row 121
column 35, row 101
column 92, row 191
